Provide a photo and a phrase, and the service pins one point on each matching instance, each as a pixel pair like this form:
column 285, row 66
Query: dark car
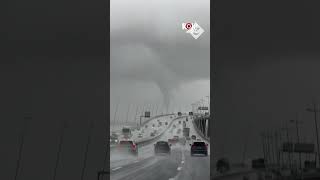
column 223, row 165
column 162, row 147
column 193, row 137
column 128, row 146
column 199, row 148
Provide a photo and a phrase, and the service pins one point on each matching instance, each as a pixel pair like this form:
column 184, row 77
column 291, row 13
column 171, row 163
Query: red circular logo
column 188, row 25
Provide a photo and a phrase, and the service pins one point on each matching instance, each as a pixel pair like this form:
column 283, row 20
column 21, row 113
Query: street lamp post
column 298, row 137
column 315, row 110
column 208, row 104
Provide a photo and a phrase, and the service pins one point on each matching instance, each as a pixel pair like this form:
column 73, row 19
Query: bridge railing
column 197, row 128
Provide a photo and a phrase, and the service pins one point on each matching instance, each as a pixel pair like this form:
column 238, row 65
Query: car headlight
column 116, row 140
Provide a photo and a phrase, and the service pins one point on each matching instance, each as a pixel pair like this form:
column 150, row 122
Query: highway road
column 179, row 165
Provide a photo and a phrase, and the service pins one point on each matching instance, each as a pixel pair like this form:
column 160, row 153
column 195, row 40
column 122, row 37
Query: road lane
column 178, row 166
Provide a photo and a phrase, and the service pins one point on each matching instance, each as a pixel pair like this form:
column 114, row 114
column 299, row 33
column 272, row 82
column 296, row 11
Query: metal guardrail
column 198, row 130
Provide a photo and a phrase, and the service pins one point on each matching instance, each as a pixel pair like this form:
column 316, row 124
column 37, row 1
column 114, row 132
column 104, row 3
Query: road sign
column 304, row 147
column 147, row 114
column 203, row 108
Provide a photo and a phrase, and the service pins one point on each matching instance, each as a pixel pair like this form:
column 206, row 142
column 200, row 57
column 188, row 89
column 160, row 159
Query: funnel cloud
column 150, row 48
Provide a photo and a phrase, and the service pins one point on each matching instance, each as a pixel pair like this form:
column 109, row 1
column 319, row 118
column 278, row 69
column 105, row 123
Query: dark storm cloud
column 156, row 49
column 267, row 70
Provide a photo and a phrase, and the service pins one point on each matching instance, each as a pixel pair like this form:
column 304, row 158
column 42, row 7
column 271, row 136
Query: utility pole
column 298, row 139
column 315, row 110
column 290, row 150
column 263, row 145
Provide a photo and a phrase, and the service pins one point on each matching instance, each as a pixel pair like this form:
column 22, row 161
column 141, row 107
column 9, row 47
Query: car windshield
column 199, row 144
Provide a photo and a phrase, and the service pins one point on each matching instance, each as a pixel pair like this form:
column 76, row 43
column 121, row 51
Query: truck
column 186, row 132
column 126, row 132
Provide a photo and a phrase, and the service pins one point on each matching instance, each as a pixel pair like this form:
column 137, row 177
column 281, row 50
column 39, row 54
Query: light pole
column 208, row 104
column 315, row 110
column 286, row 129
column 298, row 138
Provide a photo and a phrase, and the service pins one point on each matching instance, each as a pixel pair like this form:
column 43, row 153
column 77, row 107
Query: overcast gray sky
column 153, row 60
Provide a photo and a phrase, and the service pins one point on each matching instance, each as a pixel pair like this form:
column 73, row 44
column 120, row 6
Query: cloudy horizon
column 153, row 61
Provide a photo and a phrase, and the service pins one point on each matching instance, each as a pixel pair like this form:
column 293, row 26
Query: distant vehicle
column 166, row 123
column 187, row 119
column 128, row 146
column 152, row 134
column 174, row 140
column 190, row 113
column 146, row 126
column 193, row 137
column 198, row 139
column 186, row 132
column 153, row 125
column 223, row 165
column 162, row 147
column 206, row 113
column 113, row 140
column 184, row 124
column 179, row 113
column 199, row 148
column 174, row 126
column 188, row 138
column 140, row 136
column 126, row 132
column 179, row 122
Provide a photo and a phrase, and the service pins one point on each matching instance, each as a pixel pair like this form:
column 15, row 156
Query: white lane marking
column 179, row 168
column 116, row 168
